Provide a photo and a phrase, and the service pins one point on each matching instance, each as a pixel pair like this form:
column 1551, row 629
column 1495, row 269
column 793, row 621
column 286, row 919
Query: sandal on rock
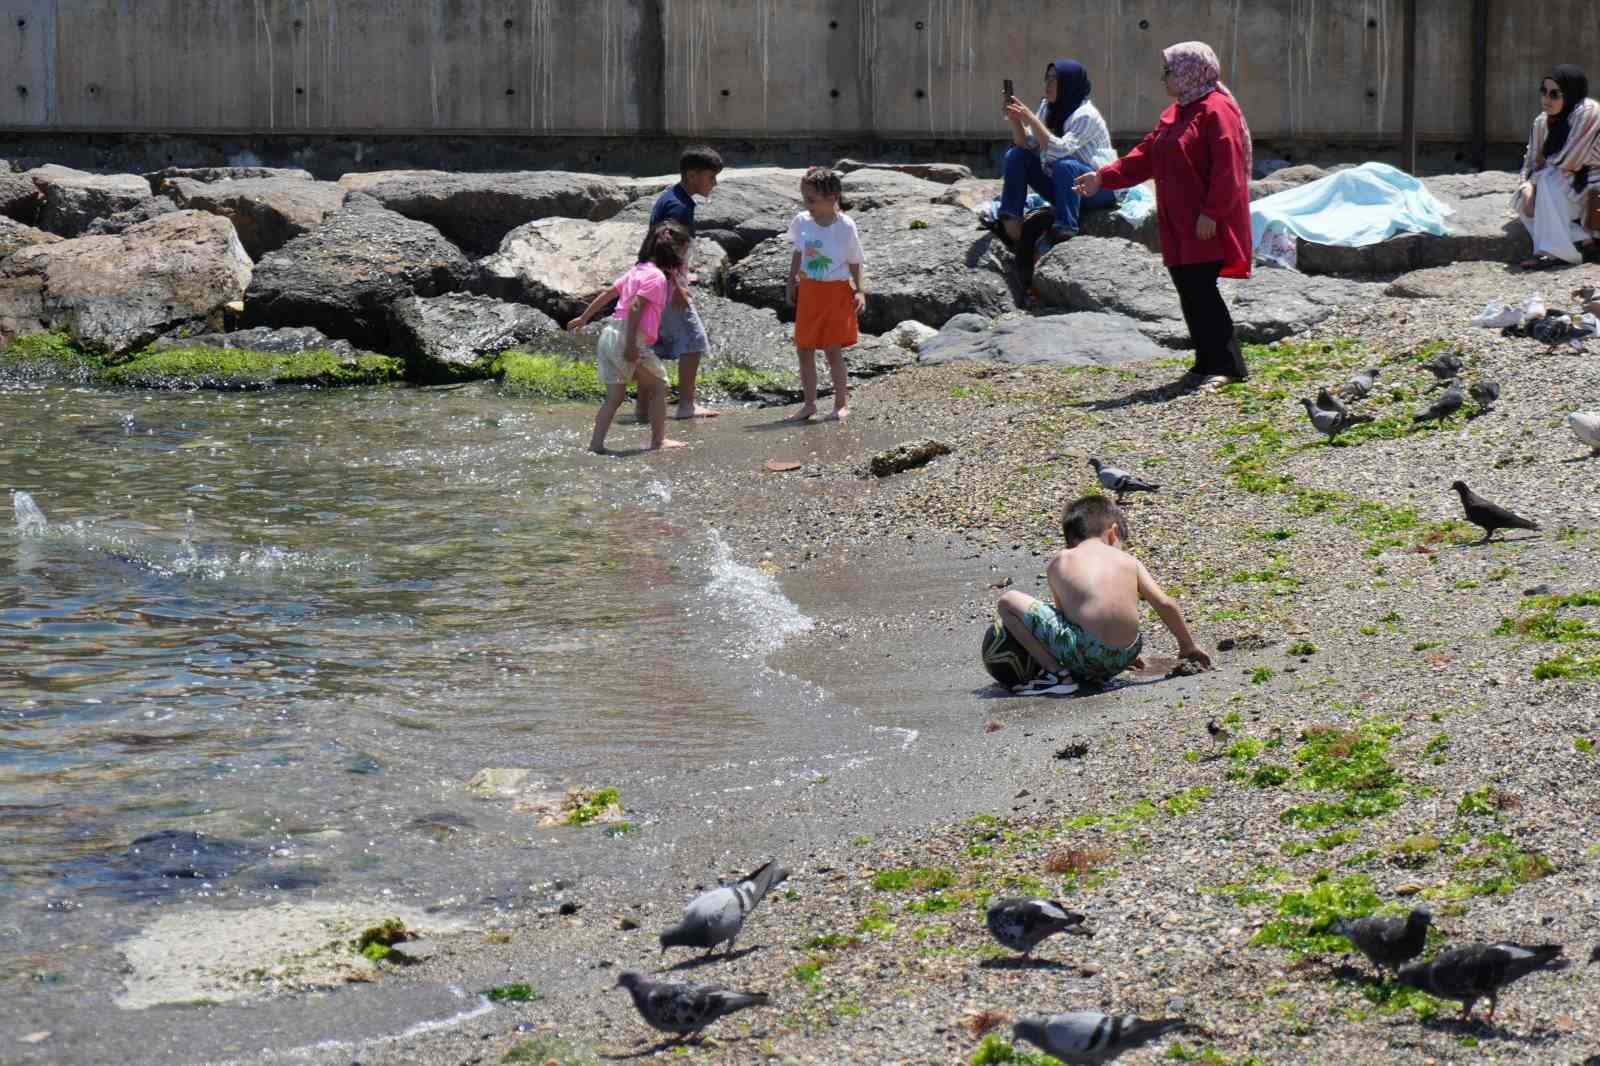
column 1540, row 262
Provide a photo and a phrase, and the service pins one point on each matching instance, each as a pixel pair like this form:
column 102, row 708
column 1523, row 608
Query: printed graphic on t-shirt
column 816, row 262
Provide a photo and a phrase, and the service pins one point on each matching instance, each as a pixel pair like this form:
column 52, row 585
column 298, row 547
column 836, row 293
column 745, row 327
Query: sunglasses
column 1549, row 94
column 1166, row 72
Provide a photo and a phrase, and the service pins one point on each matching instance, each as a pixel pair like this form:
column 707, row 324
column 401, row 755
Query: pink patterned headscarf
column 1196, row 71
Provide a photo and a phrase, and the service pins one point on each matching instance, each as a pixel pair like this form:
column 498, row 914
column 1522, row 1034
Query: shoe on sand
column 1047, row 684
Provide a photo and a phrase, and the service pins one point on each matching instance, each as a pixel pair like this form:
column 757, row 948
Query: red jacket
column 1197, row 156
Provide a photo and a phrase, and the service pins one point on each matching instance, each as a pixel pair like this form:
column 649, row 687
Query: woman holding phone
column 1051, row 148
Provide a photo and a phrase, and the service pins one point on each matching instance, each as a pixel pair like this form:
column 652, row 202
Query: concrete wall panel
column 28, row 56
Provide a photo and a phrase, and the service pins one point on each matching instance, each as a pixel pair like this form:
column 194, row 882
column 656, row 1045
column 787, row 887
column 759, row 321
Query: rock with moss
column 117, row 294
column 456, row 337
column 20, row 198
column 267, row 212
column 232, row 369
column 47, row 357
column 75, row 198
column 288, row 340
column 477, row 211
column 342, row 276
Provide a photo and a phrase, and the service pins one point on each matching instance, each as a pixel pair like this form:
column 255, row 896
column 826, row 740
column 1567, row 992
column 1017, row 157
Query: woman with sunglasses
column 1559, row 169
column 1051, row 148
column 1199, row 155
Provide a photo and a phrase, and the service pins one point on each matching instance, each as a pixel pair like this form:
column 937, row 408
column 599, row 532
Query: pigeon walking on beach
column 1331, row 423
column 1445, row 365
column 1469, row 973
column 1329, row 402
column 717, row 916
column 1487, row 516
column 1445, row 406
column 1388, row 943
column 1484, row 393
column 1021, row 923
column 1087, row 1036
column 1358, row 387
column 1586, row 427
column 1119, row 481
column 684, row 1010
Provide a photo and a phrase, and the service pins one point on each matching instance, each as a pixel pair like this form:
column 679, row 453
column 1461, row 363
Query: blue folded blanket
column 1355, row 207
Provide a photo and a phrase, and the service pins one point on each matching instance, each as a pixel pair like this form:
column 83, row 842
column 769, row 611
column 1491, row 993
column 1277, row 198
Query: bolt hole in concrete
column 511, row 92
column 1372, row 24
column 510, row 23
column 833, row 93
column 22, row 24
column 834, row 24
column 299, row 91
column 919, row 26
column 1144, row 24
column 298, row 24
column 22, row 90
column 726, row 93
column 921, row 93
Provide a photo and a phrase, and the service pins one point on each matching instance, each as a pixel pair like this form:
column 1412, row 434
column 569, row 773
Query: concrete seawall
column 854, row 71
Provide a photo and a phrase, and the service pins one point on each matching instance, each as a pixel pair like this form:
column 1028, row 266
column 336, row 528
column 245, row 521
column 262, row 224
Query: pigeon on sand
column 1020, row 923
column 1329, row 402
column 683, row 1010
column 1358, row 387
column 1445, row 365
column 1087, row 1036
column 1119, row 481
column 1388, row 943
column 1585, row 426
column 1487, row 516
column 1331, row 423
column 716, row 917
column 1484, row 393
column 1471, row 972
column 1445, row 406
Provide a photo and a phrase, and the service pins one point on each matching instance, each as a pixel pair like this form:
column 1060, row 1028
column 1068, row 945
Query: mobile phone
column 1008, row 93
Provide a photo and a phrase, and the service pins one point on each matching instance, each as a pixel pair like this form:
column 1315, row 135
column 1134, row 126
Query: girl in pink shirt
column 623, row 352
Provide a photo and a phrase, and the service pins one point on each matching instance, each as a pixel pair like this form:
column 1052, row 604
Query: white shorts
column 614, row 369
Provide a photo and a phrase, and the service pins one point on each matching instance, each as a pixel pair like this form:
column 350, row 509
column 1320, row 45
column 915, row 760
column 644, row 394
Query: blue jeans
column 1024, row 170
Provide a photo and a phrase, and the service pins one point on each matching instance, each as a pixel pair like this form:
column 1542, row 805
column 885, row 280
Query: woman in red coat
column 1199, row 155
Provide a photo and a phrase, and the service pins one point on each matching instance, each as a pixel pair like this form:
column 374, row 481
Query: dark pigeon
column 684, row 1010
column 1487, row 516
column 1358, row 387
column 1021, row 923
column 1087, row 1036
column 1445, row 406
column 1445, row 365
column 1469, row 973
column 716, row 917
column 1388, row 943
column 1329, row 402
column 1330, row 422
column 1484, row 393
column 1120, row 481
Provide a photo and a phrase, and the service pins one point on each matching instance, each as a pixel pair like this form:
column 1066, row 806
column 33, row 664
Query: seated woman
column 1560, row 170
column 1049, row 151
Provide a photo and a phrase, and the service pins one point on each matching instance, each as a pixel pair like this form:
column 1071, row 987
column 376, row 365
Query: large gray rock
column 924, row 261
column 1482, row 228
column 943, row 173
column 455, row 337
column 559, row 264
column 1104, row 274
column 342, row 276
column 267, row 212
column 747, row 207
column 14, row 236
column 971, row 193
column 868, row 190
column 287, row 341
column 477, row 211
column 20, row 198
column 158, row 179
column 75, row 198
column 1084, row 338
column 1480, row 281
column 143, row 211
column 117, row 294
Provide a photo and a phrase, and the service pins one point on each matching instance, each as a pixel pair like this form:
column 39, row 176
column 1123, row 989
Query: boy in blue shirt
column 683, row 335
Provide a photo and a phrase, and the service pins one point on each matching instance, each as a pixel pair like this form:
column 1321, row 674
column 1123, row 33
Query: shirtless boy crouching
column 1091, row 634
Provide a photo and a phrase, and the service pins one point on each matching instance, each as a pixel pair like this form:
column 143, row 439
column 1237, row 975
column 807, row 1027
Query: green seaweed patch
column 1180, row 1052
column 1388, row 996
column 913, row 879
column 1302, row 928
column 1583, row 744
column 48, row 357
column 996, row 1051
column 376, row 941
column 1496, row 867
column 513, row 993
column 1353, row 762
column 809, row 973
column 584, row 806
column 1567, row 668
column 548, row 377
column 548, row 1050
column 232, row 368
column 1326, row 842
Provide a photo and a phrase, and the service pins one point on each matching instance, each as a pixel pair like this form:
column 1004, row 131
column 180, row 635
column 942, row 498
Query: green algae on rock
column 54, row 357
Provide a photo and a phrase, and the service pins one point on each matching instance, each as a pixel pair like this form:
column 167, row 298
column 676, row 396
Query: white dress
column 1558, row 207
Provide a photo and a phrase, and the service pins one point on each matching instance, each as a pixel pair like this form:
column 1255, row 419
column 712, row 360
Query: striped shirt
column 1581, row 150
column 1084, row 137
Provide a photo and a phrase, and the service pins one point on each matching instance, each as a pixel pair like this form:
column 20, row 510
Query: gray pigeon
column 1120, row 481
column 684, row 1010
column 1484, row 393
column 1487, row 516
column 1445, row 406
column 1445, row 365
column 717, row 916
column 1358, row 387
column 1329, row 402
column 1331, row 423
column 1020, row 923
column 1087, row 1036
column 1388, row 943
column 1585, row 425
column 1477, row 970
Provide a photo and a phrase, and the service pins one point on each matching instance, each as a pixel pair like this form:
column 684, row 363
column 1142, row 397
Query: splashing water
column 29, row 518
column 752, row 601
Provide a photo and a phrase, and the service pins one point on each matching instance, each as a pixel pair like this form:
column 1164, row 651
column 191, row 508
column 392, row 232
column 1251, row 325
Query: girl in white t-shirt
column 826, row 286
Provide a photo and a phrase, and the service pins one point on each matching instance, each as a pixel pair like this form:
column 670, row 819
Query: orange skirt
column 825, row 315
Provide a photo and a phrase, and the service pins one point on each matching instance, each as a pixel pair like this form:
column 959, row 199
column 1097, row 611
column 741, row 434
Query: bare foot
column 670, row 443
column 805, row 414
column 695, row 412
column 840, row 414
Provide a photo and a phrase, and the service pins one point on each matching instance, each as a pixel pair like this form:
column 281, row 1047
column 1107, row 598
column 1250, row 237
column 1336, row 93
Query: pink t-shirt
column 647, row 280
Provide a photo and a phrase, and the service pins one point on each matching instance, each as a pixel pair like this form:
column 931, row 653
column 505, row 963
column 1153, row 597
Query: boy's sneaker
column 1047, row 684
